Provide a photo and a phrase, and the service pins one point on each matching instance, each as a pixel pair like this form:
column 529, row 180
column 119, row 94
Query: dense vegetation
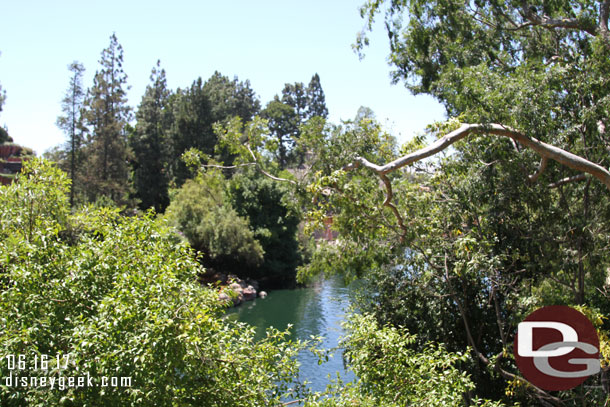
column 454, row 250
column 121, row 297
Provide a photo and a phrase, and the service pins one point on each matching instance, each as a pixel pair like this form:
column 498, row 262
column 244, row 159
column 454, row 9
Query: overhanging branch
column 546, row 151
column 543, row 149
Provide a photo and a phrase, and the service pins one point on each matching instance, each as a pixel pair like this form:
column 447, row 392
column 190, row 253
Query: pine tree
column 72, row 121
column 229, row 98
column 149, row 143
column 295, row 95
column 3, row 133
column 191, row 128
column 316, row 101
column 108, row 113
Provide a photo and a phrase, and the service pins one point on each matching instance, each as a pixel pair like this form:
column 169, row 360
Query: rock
column 249, row 293
column 253, row 283
column 263, row 294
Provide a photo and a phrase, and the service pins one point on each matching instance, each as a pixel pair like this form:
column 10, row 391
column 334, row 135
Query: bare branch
column 567, row 180
column 265, row 173
column 227, row 167
column 546, row 151
column 253, row 163
column 388, row 202
column 543, row 149
column 543, row 163
column 548, row 22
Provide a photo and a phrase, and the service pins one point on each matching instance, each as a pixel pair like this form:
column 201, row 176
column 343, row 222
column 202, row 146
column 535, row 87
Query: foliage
column 201, row 211
column 274, row 220
column 283, row 126
column 197, row 108
column 120, row 298
column 481, row 244
column 286, row 116
column 391, row 373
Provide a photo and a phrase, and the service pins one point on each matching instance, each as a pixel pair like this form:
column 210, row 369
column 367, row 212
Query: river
column 317, row 310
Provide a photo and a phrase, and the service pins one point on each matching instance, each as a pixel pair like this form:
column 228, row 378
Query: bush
column 391, row 373
column 122, row 300
column 199, row 210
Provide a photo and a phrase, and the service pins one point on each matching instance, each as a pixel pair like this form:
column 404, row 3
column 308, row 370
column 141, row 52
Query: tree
column 274, row 220
column 283, row 122
column 230, row 98
column 198, row 108
column 149, row 142
column 191, row 128
column 297, row 106
column 461, row 248
column 72, row 121
column 316, row 105
column 107, row 113
column 203, row 213
column 295, row 95
column 4, row 137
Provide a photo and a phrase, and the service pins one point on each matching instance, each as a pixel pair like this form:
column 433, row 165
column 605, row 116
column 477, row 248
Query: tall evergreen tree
column 295, row 95
column 201, row 105
column 286, row 116
column 148, row 142
column 316, row 101
column 3, row 133
column 71, row 122
column 108, row 113
column 229, row 98
column 191, row 127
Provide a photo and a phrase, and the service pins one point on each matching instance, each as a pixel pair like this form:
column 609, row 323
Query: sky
column 269, row 42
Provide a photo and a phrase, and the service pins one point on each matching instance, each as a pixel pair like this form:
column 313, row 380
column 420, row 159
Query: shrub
column 122, row 300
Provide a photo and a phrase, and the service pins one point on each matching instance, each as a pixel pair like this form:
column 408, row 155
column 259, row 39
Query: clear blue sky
column 268, row 42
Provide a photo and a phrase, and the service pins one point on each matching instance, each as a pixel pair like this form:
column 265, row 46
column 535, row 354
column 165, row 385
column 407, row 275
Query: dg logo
column 557, row 348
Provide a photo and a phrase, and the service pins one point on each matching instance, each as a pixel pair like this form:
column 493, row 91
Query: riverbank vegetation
column 458, row 234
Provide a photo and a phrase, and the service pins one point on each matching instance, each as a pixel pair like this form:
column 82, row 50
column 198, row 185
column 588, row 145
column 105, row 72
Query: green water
column 316, row 310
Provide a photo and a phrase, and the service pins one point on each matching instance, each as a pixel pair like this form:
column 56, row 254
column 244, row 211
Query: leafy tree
column 286, row 116
column 391, row 373
column 120, row 298
column 461, row 248
column 149, row 142
column 72, row 121
column 228, row 99
column 295, row 95
column 274, row 220
column 201, row 211
column 107, row 113
column 195, row 111
column 283, row 123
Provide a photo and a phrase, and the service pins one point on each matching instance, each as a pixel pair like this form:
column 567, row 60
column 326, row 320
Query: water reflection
column 316, row 310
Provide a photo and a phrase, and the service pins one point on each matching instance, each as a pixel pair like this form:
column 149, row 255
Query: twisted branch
column 546, row 151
